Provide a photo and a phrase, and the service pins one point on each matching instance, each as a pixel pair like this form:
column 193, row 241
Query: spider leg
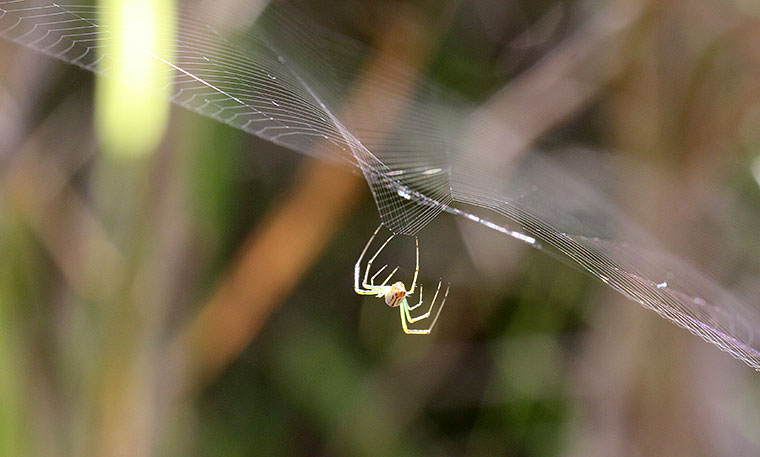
column 369, row 264
column 388, row 278
column 377, row 273
column 417, row 265
column 424, row 331
column 419, row 303
column 357, row 268
column 365, row 291
column 411, row 331
column 427, row 314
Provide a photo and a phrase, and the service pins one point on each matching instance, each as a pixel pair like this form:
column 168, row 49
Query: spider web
column 287, row 80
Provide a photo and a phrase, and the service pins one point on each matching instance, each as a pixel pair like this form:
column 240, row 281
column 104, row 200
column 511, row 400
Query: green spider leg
column 406, row 317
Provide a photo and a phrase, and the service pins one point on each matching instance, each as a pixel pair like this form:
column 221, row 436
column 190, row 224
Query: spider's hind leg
column 419, row 303
column 406, row 316
column 427, row 314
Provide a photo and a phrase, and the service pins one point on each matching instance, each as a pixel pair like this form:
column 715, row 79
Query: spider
column 396, row 295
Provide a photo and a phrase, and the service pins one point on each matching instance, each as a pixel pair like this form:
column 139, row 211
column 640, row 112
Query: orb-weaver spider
column 396, row 295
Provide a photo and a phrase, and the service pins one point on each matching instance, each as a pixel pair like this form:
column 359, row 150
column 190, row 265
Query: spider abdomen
column 395, row 295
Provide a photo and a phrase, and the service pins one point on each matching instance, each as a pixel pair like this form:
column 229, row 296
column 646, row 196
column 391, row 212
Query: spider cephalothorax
column 396, row 295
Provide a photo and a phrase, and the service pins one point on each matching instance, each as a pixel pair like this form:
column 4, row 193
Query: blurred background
column 195, row 297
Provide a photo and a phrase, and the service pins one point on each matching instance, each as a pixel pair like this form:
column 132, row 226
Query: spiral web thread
column 285, row 79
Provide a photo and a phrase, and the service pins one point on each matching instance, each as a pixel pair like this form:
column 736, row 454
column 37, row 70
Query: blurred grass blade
column 132, row 103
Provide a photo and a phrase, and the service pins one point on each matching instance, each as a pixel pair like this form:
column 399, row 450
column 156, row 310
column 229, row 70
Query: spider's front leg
column 365, row 289
column 377, row 273
column 357, row 289
column 371, row 283
column 416, row 265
